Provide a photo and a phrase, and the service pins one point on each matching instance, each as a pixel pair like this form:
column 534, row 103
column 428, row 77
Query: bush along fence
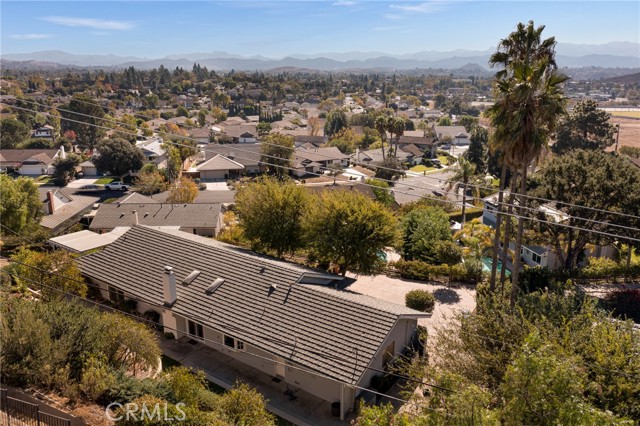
column 469, row 272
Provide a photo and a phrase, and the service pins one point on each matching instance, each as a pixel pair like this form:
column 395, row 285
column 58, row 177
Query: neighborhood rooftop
column 265, row 302
column 203, row 215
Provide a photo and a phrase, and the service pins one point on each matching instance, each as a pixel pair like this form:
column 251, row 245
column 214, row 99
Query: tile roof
column 248, row 155
column 320, row 154
column 333, row 332
column 76, row 206
column 110, row 216
column 219, row 162
column 83, row 241
column 21, row 155
column 137, row 198
column 412, row 149
column 414, row 140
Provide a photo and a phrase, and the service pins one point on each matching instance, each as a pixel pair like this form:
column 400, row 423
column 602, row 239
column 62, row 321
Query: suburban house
column 281, row 319
column 457, row 135
column 243, row 133
column 326, row 157
column 535, row 255
column 89, row 169
column 200, row 135
column 201, row 219
column 249, row 155
column 30, row 162
column 427, row 144
column 153, row 151
column 45, row 131
column 301, row 140
column 62, row 209
column 415, row 153
column 374, row 157
column 219, row 168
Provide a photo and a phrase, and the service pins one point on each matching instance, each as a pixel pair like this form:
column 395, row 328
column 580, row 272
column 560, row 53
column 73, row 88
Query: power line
column 356, row 162
column 514, row 215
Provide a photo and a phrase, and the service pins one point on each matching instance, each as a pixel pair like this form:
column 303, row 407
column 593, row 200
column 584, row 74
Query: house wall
column 213, row 175
column 35, row 170
column 90, row 170
column 401, row 335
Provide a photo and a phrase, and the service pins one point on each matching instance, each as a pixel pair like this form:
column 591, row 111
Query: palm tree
column 381, row 124
column 396, row 127
column 464, row 172
column 529, row 101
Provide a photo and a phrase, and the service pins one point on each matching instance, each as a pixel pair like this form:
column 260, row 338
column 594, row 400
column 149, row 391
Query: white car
column 116, row 186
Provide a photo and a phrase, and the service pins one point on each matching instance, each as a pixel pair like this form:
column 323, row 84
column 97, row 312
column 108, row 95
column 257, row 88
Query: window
column 229, row 341
column 116, row 295
column 233, row 343
column 195, row 330
column 536, row 258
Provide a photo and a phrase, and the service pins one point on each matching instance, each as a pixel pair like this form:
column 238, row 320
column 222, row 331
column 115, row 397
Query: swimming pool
column 486, row 266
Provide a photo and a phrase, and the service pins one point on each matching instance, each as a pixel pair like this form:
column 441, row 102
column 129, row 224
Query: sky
column 151, row 29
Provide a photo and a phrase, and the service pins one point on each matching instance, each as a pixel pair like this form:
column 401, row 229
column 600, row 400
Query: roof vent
column 213, row 287
column 274, row 287
column 192, row 276
column 262, row 270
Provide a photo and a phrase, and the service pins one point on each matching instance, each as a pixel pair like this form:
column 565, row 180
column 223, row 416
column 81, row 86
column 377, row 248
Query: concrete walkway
column 305, row 410
column 79, row 183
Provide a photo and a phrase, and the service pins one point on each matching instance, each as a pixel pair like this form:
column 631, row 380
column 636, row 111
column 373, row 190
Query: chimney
column 135, row 217
column 169, row 286
column 50, row 201
column 63, row 154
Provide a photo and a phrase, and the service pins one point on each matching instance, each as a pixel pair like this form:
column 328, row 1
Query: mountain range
column 610, row 55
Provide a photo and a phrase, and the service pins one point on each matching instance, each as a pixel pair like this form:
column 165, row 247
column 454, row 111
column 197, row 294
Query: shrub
column 383, row 382
column 420, row 300
column 625, row 303
column 423, row 271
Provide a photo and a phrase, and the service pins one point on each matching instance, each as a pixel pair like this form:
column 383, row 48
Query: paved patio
column 305, row 410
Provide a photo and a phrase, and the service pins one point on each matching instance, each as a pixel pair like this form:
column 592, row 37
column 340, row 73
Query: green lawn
column 109, row 200
column 420, row 168
column 105, row 180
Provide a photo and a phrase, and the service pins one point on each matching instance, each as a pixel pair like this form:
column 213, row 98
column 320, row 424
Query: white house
column 46, row 131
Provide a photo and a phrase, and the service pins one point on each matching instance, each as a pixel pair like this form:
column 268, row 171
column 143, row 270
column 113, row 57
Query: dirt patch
column 629, row 131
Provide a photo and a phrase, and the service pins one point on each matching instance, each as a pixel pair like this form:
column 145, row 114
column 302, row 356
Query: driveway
column 449, row 300
column 78, row 183
column 216, row 186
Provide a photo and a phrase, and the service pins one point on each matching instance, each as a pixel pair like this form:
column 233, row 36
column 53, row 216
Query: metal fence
column 15, row 412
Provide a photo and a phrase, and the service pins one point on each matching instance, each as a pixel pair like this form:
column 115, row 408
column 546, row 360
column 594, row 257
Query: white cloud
column 100, row 33
column 432, row 6
column 392, row 16
column 98, row 24
column 344, row 3
column 30, row 36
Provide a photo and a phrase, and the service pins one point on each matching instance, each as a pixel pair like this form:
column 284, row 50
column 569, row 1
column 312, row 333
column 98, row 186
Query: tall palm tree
column 529, row 101
column 396, row 127
column 381, row 124
column 464, row 172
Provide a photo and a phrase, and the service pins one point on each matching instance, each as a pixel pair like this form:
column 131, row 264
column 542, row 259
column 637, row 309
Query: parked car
column 91, row 188
column 116, row 186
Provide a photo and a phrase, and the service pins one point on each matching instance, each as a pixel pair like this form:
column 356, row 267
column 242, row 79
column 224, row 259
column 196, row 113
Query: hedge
column 607, row 269
column 470, row 213
column 468, row 272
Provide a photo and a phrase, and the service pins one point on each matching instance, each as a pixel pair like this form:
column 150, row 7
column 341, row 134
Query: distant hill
column 624, row 79
column 610, row 55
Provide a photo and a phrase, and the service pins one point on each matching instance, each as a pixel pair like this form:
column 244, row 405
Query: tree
column 477, row 154
column 277, row 152
column 51, row 272
column 20, row 207
column 84, row 117
column 336, row 121
column 243, row 405
column 270, row 214
column 66, row 168
column 463, row 173
column 202, row 117
column 13, row 133
column 587, row 178
column 468, row 122
column 444, row 121
column 263, row 128
column 346, row 140
column 529, row 100
column 117, row 157
column 182, row 112
column 380, row 189
column 422, row 229
column 391, row 169
column 150, row 182
column 313, row 124
column 586, row 127
column 349, row 230
column 183, row 191
column 174, row 163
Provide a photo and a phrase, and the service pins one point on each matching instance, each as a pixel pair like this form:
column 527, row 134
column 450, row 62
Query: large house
column 277, row 317
column 153, row 151
column 30, row 162
column 200, row 219
column 249, row 155
column 457, row 135
column 219, row 168
column 63, row 209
